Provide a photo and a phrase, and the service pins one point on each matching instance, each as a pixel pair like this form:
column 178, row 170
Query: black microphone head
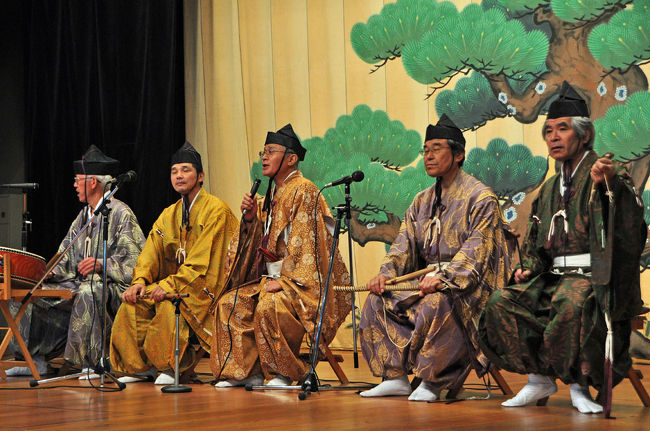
column 256, row 185
column 127, row 177
column 357, row 176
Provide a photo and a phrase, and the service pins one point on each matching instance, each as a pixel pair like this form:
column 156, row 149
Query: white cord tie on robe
column 551, row 230
column 609, row 340
column 435, row 228
column 180, row 254
column 88, row 247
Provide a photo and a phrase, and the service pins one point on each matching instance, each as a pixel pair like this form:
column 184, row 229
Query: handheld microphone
column 256, row 185
column 127, row 177
column 354, row 177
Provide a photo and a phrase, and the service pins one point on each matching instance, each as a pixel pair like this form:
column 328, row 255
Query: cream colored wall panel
column 460, row 4
column 195, row 119
column 362, row 87
column 405, row 98
column 257, row 71
column 226, row 129
column 291, row 64
column 533, row 137
column 326, row 35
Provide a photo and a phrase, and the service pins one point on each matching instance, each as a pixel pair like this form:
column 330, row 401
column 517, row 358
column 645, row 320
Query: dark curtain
column 108, row 73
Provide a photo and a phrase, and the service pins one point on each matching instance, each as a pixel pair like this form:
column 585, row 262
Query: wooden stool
column 332, row 359
column 188, row 374
column 8, row 294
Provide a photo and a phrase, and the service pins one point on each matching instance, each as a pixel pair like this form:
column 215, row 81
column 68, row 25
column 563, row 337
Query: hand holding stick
column 168, row 296
column 393, row 284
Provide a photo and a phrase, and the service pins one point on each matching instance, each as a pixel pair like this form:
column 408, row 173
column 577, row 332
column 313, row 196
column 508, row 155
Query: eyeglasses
column 269, row 151
column 435, row 150
column 76, row 180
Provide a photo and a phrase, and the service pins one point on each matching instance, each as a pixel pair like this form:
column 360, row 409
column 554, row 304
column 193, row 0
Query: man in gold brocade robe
column 184, row 253
column 273, row 284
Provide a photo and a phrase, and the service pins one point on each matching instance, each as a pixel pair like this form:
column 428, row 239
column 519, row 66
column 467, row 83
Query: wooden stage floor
column 141, row 406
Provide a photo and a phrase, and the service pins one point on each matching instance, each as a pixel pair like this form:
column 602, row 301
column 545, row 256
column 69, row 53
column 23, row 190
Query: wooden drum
column 26, row 268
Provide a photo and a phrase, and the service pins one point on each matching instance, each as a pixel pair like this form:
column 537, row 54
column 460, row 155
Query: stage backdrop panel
column 360, row 80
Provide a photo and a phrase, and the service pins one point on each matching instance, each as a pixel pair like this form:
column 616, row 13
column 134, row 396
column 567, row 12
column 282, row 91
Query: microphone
column 354, row 177
column 127, row 177
column 256, row 185
column 20, row 186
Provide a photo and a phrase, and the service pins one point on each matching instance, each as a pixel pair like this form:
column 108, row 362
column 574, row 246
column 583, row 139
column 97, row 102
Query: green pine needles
column 625, row 40
column 624, row 130
column 436, row 41
column 508, row 170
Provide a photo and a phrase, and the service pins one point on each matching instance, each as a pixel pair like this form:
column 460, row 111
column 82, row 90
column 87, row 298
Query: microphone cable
column 253, row 192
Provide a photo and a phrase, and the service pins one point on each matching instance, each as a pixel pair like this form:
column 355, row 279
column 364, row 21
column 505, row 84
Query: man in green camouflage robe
column 580, row 260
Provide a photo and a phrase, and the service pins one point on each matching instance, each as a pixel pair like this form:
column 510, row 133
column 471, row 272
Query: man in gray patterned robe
column 74, row 326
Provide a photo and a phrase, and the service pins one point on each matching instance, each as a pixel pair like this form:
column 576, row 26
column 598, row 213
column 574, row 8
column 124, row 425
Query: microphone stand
column 348, row 217
column 27, row 223
column 310, row 383
column 103, row 365
column 176, row 387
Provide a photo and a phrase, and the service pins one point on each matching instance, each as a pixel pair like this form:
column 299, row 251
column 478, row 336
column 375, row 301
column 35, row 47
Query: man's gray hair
column 288, row 150
column 580, row 125
column 456, row 148
column 102, row 180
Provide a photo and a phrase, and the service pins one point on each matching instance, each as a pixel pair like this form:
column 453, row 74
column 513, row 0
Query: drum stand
column 310, row 382
column 103, row 365
column 176, row 387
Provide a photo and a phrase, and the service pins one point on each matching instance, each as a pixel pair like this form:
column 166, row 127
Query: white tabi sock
column 424, row 392
column 89, row 374
column 280, row 380
column 146, row 376
column 581, row 399
column 256, row 380
column 164, row 379
column 538, row 387
column 397, row 386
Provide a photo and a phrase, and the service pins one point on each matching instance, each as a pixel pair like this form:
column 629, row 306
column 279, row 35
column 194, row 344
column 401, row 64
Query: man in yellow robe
column 184, row 253
column 273, row 286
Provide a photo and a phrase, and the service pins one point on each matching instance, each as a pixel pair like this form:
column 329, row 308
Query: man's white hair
column 101, row 179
